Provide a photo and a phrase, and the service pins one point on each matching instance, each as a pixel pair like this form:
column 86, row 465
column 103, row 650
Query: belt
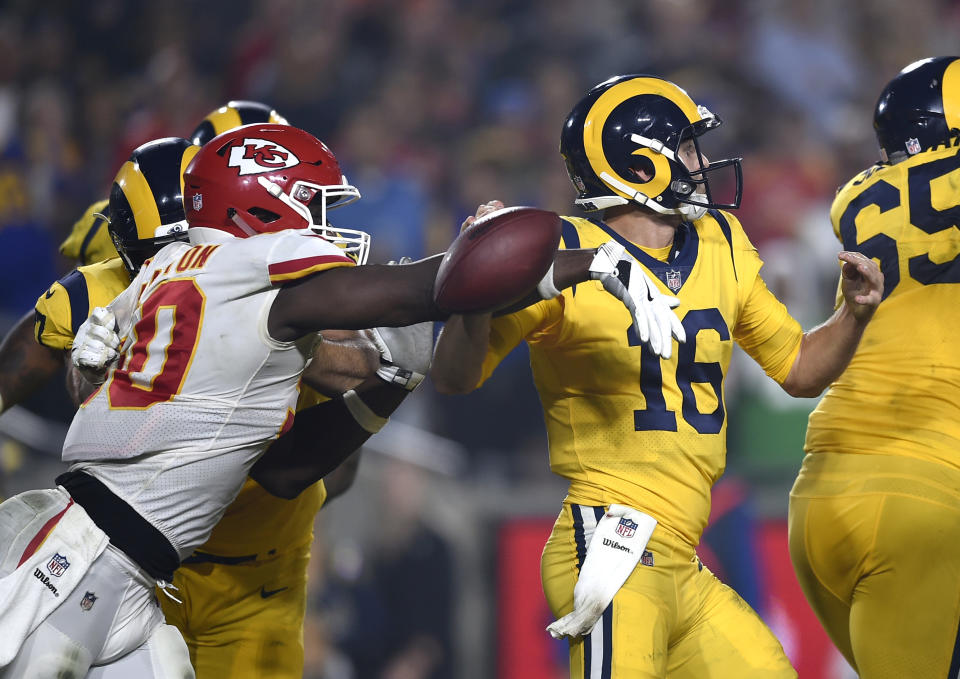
column 128, row 531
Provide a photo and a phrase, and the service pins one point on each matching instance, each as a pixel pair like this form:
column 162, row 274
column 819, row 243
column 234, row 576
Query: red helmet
column 266, row 177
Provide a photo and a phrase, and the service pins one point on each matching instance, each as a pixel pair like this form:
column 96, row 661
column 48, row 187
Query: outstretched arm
column 383, row 295
column 25, row 364
column 324, row 436
column 826, row 350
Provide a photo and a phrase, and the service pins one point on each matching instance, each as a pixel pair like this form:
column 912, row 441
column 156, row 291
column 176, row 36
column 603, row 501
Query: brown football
column 497, row 260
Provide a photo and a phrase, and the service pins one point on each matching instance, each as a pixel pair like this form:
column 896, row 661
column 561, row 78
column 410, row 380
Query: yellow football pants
column 243, row 620
column 672, row 617
column 875, row 542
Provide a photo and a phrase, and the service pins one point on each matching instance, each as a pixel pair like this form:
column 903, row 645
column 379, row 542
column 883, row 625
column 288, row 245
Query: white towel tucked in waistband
column 52, row 543
column 614, row 551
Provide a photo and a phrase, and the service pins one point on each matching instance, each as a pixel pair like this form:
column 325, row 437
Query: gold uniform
column 243, row 592
column 875, row 510
column 626, row 427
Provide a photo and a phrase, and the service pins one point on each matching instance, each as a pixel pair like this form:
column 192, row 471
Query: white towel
column 614, row 551
column 33, row 590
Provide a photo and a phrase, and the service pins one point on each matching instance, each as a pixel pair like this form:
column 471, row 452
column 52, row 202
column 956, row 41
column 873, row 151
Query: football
column 497, row 260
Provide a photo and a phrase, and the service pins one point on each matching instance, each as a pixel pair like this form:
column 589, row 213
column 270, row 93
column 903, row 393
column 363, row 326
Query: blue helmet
column 920, row 108
column 637, row 122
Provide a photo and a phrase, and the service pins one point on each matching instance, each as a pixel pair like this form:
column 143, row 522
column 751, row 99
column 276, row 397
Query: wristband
column 366, row 418
column 394, row 374
column 546, row 287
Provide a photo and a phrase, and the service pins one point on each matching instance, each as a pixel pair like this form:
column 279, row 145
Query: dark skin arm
column 285, row 471
column 25, row 365
column 78, row 388
column 382, row 295
column 341, row 361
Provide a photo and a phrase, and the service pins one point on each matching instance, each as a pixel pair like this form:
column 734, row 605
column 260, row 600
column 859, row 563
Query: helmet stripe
column 951, row 94
column 225, row 118
column 188, row 155
column 602, row 108
column 143, row 205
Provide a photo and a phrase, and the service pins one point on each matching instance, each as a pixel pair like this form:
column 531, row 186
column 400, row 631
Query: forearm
column 824, row 353
column 354, row 298
column 78, row 387
column 321, row 438
column 25, row 365
column 343, row 360
column 458, row 357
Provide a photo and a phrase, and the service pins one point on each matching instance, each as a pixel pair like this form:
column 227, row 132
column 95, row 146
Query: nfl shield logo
column 674, row 279
column 58, row 565
column 198, row 202
column 626, row 528
column 647, row 558
column 86, row 603
column 913, row 146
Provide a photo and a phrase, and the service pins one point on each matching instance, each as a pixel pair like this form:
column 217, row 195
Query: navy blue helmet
column 920, row 108
column 621, row 141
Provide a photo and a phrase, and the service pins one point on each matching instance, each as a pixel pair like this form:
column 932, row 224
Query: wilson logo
column 256, row 156
column 45, row 579
column 607, row 542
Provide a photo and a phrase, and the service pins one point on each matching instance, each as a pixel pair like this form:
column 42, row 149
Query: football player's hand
column 483, row 210
column 653, row 316
column 405, row 353
column 95, row 345
column 861, row 284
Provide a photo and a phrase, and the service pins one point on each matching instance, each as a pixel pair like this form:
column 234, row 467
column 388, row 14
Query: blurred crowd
column 434, row 106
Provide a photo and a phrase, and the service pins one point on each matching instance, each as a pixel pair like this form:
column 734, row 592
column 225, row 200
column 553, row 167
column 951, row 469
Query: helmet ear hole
column 643, row 169
column 264, row 215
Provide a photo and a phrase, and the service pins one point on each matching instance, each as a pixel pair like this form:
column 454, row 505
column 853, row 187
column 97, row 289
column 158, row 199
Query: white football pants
column 109, row 627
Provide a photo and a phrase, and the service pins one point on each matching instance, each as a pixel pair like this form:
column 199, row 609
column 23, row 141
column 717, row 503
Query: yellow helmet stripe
column 188, row 155
column 224, row 118
column 603, row 107
column 141, row 199
column 951, row 94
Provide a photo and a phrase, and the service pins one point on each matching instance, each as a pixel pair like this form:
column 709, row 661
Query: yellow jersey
column 256, row 523
column 67, row 303
column 900, row 395
column 89, row 240
column 623, row 425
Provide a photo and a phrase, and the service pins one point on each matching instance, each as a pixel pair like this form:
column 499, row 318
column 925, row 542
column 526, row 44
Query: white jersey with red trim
column 201, row 388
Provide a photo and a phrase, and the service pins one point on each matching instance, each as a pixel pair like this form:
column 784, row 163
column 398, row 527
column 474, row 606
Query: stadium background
column 428, row 567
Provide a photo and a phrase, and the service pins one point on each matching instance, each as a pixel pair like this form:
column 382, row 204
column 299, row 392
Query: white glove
column 405, row 353
column 615, row 549
column 95, row 345
column 653, row 316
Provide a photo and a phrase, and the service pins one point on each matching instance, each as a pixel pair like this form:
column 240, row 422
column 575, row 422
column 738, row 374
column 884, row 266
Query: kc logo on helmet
column 256, row 156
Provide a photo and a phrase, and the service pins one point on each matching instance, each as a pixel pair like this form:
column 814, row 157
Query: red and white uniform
column 201, row 388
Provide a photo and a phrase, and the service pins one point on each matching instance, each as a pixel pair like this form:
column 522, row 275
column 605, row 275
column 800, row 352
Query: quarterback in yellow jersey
column 641, row 435
column 875, row 510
